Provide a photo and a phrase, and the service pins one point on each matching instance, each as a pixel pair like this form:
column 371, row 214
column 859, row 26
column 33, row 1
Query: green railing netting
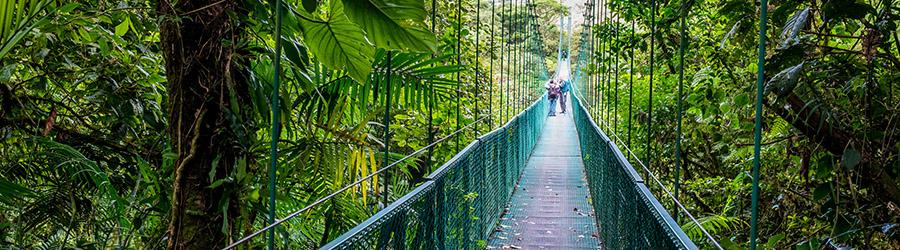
column 461, row 203
column 630, row 217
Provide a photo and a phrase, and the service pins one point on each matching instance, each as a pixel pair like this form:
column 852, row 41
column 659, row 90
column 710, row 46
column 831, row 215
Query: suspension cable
column 459, row 63
column 504, row 78
column 432, row 96
column 345, row 188
column 616, row 94
column 491, row 75
column 649, row 147
column 757, row 131
column 661, row 186
column 477, row 91
column 631, row 80
column 387, row 125
column 678, row 116
column 276, row 122
column 604, row 47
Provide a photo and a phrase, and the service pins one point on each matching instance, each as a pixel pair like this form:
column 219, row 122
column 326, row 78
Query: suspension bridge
column 535, row 181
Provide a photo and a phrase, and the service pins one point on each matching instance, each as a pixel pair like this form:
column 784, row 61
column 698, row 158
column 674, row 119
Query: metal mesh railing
column 461, row 202
column 630, row 217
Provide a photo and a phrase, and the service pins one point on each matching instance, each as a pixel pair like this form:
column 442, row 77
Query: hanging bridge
column 535, row 181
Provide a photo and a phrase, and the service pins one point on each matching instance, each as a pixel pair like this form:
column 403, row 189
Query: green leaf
column 837, row 10
column 393, row 24
column 295, row 52
column 822, row 191
column 339, row 43
column 310, row 5
column 785, row 81
column 730, row 245
column 10, row 192
column 122, row 28
column 792, row 28
column 851, row 158
column 69, row 7
column 811, row 244
column 773, row 241
column 741, row 100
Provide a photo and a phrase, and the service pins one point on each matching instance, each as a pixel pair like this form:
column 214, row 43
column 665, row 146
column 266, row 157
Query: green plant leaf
column 785, row 81
column 851, row 158
column 122, row 28
column 393, row 24
column 310, row 5
column 836, row 10
column 792, row 28
column 339, row 43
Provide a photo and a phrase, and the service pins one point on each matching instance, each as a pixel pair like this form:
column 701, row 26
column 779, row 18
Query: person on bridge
column 564, row 94
column 553, row 95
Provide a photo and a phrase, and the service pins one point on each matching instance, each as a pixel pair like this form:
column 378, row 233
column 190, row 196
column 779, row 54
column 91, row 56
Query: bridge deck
column 550, row 209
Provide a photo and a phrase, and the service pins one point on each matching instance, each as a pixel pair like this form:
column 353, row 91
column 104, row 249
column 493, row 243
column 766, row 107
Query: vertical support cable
column 477, row 56
column 458, row 62
column 514, row 26
column 431, row 95
column 569, row 42
column 598, row 16
column 608, row 61
column 525, row 44
column 757, row 132
column 616, row 74
column 631, row 81
column 598, row 56
column 521, row 50
column 276, row 125
column 649, row 148
column 491, row 75
column 590, row 77
column 520, row 41
column 680, row 111
column 603, row 58
column 508, row 44
column 559, row 48
column 387, row 133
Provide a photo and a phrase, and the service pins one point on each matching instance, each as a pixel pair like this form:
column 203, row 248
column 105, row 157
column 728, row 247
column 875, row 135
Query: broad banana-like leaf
column 393, row 24
column 339, row 43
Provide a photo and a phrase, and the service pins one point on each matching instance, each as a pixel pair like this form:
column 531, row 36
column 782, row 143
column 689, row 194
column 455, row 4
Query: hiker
column 553, row 95
column 564, row 94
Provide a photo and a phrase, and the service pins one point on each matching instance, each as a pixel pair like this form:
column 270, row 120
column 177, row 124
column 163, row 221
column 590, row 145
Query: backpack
column 554, row 91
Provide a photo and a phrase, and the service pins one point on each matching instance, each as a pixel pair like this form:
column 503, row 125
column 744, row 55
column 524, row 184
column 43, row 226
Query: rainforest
column 416, row 124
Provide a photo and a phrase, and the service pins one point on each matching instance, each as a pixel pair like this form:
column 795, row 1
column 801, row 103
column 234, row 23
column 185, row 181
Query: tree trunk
column 203, row 69
column 835, row 140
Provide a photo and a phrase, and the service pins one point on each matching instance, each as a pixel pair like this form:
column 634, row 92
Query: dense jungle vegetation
column 146, row 124
column 831, row 139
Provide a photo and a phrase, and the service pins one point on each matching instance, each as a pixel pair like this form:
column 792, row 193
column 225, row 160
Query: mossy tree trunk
column 207, row 132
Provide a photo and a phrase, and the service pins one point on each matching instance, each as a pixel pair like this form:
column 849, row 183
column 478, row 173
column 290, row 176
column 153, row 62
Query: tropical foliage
column 830, row 146
column 145, row 125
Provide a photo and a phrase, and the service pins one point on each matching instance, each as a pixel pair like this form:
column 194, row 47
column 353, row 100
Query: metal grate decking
column 550, row 208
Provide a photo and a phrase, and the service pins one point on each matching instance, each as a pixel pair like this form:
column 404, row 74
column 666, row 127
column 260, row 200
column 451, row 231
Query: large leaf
column 339, row 43
column 11, row 192
column 393, row 24
column 785, row 81
column 837, row 10
column 792, row 28
column 851, row 158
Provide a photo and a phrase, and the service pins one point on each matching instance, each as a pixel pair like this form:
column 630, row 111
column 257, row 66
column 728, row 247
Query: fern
column 714, row 224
